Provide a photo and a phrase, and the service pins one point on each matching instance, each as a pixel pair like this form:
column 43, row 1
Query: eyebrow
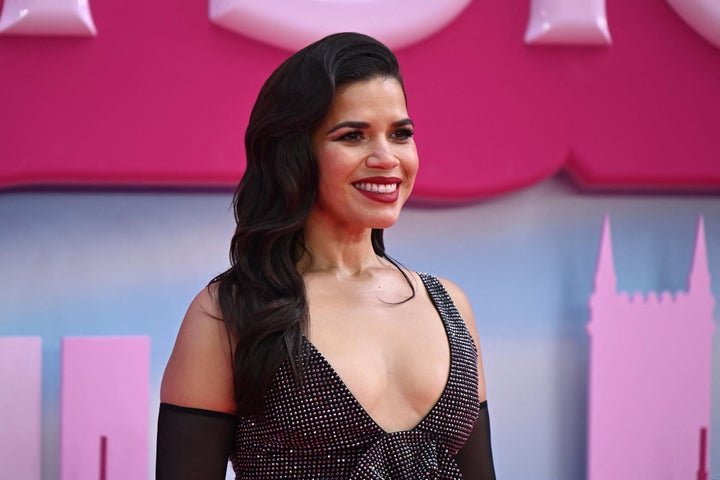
column 361, row 125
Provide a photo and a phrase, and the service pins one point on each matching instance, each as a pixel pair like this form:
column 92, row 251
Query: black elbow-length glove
column 193, row 444
column 475, row 457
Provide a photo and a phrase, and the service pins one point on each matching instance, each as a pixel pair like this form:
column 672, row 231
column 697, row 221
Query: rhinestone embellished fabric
column 318, row 430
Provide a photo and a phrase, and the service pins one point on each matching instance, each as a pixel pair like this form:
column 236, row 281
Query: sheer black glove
column 193, row 444
column 475, row 457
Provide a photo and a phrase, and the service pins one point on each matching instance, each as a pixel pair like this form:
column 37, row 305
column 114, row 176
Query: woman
column 316, row 355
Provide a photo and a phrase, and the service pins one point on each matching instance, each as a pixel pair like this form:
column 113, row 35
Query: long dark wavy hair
column 262, row 294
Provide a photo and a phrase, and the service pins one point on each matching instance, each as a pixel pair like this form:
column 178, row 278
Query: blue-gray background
column 128, row 263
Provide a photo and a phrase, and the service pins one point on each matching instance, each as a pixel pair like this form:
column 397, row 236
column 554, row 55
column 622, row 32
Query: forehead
column 367, row 96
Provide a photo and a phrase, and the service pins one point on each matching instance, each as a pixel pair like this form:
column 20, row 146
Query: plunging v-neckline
column 360, row 408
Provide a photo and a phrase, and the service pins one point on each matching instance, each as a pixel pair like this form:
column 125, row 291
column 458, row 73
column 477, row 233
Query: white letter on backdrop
column 47, row 17
column 703, row 16
column 571, row 22
column 292, row 24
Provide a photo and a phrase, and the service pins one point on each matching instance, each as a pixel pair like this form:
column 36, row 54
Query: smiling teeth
column 376, row 187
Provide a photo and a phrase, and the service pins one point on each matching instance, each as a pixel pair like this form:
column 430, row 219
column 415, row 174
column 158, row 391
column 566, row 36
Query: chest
column 391, row 352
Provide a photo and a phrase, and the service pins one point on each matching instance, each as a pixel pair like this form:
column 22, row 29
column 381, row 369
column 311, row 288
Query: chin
column 384, row 223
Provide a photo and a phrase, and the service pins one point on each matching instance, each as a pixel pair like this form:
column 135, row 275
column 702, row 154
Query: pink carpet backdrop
column 20, row 407
column 504, row 94
column 650, row 375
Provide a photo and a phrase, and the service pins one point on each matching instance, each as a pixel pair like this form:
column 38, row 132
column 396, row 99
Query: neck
column 347, row 252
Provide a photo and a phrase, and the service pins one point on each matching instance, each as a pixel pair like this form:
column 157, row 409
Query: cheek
column 338, row 168
column 325, row 189
column 410, row 173
column 325, row 167
column 412, row 165
column 330, row 175
column 331, row 178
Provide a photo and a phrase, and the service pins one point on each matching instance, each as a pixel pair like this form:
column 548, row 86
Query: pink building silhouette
column 650, row 374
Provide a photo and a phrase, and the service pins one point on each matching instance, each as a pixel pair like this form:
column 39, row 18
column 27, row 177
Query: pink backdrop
column 161, row 97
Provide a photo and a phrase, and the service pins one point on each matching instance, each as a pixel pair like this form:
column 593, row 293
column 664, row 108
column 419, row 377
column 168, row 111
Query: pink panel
column 105, row 408
column 20, row 407
column 650, row 374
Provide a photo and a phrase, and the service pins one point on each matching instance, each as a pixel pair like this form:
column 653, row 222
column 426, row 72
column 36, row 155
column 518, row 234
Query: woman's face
column 366, row 156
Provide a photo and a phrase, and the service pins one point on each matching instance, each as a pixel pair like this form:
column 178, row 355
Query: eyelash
column 351, row 136
column 356, row 135
column 404, row 133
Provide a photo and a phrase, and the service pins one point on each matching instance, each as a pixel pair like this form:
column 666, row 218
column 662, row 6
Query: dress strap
column 453, row 321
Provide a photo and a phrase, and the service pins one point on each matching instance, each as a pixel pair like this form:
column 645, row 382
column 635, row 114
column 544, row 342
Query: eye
column 351, row 136
column 403, row 134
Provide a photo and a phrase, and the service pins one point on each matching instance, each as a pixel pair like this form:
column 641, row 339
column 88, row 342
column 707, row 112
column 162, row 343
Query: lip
column 379, row 180
column 377, row 196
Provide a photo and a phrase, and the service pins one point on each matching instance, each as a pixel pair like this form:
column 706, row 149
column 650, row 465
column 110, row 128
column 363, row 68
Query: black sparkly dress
column 318, row 430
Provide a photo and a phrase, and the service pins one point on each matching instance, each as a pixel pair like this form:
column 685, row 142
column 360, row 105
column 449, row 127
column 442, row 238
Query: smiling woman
column 316, row 355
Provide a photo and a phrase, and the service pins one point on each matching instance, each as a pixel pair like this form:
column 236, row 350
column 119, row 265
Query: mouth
column 380, row 185
column 376, row 187
column 380, row 189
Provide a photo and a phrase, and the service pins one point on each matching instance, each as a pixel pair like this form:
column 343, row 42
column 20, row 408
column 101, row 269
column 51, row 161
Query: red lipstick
column 379, row 189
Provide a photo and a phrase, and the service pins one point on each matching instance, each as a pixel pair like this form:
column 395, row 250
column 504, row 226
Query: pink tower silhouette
column 650, row 373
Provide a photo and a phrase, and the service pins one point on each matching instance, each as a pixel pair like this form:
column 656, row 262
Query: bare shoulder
column 199, row 371
column 463, row 305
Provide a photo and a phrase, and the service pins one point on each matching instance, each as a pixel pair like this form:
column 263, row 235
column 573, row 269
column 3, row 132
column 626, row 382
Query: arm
column 193, row 444
column 196, row 421
column 475, row 458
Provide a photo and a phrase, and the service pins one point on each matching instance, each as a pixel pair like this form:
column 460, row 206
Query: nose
column 382, row 156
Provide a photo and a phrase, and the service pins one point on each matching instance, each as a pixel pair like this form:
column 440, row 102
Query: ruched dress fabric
column 318, row 429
